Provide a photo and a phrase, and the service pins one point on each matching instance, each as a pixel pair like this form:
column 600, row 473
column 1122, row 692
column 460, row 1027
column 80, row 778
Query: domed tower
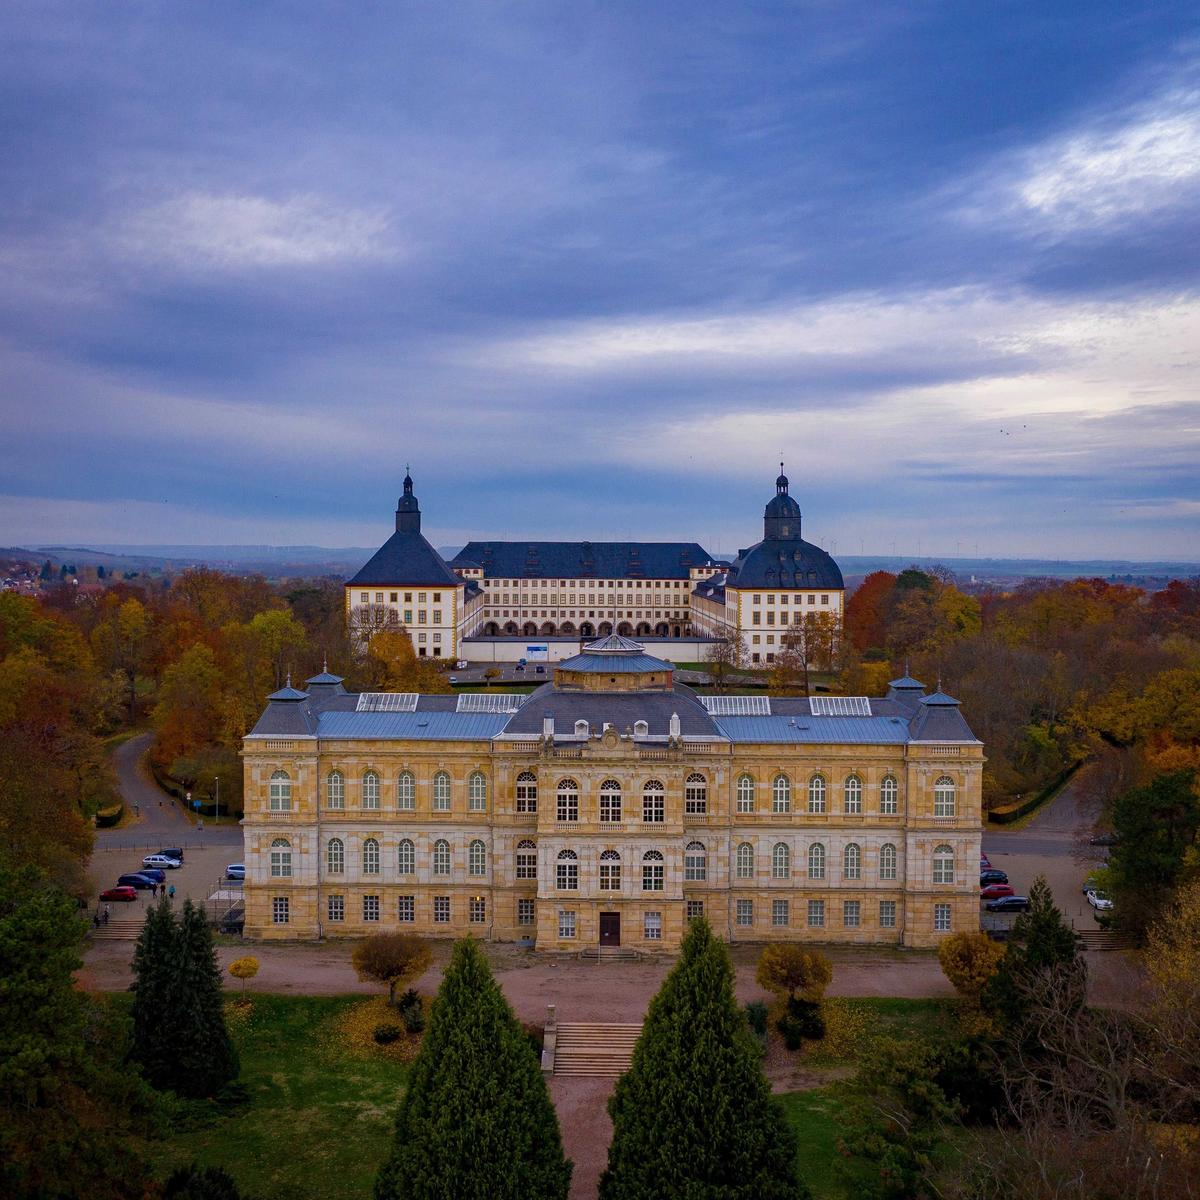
column 781, row 517
column 408, row 511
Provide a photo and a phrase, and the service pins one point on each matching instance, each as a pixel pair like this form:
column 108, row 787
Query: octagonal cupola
column 614, row 664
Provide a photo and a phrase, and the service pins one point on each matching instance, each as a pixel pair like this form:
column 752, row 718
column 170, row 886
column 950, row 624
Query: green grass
column 317, row 1121
column 815, row 1117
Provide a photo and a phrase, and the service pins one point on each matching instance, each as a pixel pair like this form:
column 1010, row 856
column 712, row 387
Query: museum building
column 608, row 808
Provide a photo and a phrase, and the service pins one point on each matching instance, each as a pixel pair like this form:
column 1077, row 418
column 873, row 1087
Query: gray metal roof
column 406, row 557
column 612, row 663
column 621, row 709
column 411, row 726
column 588, row 560
column 888, row 731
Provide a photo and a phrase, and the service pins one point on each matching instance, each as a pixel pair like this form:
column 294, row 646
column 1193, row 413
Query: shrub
column 801, row 1019
column 387, row 1032
column 969, row 960
column 414, row 1018
column 410, row 999
column 756, row 1018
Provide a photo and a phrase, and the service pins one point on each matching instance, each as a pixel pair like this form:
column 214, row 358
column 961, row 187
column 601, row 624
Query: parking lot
column 201, row 875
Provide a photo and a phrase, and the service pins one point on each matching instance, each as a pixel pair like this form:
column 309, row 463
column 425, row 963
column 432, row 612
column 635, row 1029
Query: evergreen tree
column 179, row 1034
column 64, row 1129
column 694, row 1115
column 476, row 1122
column 1042, row 944
column 200, row 1183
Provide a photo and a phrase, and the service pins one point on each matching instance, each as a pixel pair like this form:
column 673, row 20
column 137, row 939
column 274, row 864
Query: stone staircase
column 594, row 1049
column 1104, row 939
column 610, row 954
column 118, row 929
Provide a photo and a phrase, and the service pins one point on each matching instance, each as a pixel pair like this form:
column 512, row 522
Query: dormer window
column 581, row 729
column 641, row 729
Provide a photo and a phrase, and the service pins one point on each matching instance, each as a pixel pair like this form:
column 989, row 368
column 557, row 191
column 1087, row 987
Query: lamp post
column 217, row 800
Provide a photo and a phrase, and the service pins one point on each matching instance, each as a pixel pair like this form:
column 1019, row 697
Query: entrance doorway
column 610, row 929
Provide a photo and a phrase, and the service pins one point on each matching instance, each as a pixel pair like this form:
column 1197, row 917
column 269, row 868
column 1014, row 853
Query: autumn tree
column 476, row 1121
column 724, row 658
column 122, row 642
column 969, row 960
column 391, row 665
column 695, row 1065
column 868, row 609
column 792, row 972
column 391, row 958
column 788, row 674
column 245, row 969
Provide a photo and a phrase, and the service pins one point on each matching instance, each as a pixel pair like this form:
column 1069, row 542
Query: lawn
column 814, row 1116
column 318, row 1117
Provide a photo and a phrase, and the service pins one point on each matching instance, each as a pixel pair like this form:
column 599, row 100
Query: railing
column 569, row 752
column 521, row 747
column 944, row 751
column 277, row 745
column 645, row 754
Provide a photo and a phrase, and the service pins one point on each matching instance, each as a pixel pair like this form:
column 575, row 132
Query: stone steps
column 610, row 954
column 118, row 929
column 1104, row 939
column 594, row 1049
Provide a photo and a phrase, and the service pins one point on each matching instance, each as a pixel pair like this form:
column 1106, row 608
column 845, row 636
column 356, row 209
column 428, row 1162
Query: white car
column 161, row 860
column 235, row 871
column 460, row 665
column 1099, row 901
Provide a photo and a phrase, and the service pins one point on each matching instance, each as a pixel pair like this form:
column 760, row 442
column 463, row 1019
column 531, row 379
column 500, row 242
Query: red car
column 994, row 891
column 124, row 892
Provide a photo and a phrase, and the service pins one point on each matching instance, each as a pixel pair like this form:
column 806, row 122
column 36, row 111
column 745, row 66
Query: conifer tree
column 694, row 1115
column 179, row 1034
column 476, row 1122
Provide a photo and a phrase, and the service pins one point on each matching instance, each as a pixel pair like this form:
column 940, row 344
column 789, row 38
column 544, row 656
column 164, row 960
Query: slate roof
column 413, row 726
column 779, row 727
column 406, row 557
column 599, row 663
column 938, row 719
column 588, row 560
column 621, row 709
column 784, row 563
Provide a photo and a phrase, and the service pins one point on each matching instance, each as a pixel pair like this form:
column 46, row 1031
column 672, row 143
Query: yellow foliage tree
column 391, row 958
column 244, row 969
column 392, row 666
column 969, row 960
column 793, row 972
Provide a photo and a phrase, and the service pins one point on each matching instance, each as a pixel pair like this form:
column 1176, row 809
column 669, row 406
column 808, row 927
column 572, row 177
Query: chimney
column 547, row 726
column 674, row 725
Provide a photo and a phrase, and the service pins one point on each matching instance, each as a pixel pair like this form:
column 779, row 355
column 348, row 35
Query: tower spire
column 408, row 511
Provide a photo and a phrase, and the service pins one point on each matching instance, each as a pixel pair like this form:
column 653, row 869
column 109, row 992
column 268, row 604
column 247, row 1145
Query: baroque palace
column 583, row 590
column 609, row 807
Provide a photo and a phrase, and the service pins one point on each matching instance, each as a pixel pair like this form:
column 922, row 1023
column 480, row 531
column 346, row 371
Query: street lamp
column 217, row 800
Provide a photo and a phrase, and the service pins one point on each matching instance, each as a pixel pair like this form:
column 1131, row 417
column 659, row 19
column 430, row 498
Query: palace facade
column 585, row 590
column 608, row 808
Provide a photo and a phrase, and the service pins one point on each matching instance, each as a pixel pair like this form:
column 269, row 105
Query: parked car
column 1100, row 901
column 138, row 881
column 1104, row 839
column 540, row 670
column 453, row 678
column 460, row 665
column 162, row 859
column 173, row 852
column 154, row 873
column 994, row 891
column 235, row 871
column 119, row 893
column 519, row 667
column 1008, row 904
column 992, row 876
column 984, row 862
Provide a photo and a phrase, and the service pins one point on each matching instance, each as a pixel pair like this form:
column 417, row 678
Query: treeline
column 194, row 658
column 1049, row 674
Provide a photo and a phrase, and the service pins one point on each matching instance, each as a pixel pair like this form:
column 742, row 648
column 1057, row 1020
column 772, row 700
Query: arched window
column 745, row 794
column 280, row 791
column 406, row 792
column 335, row 789
column 370, row 790
column 695, row 863
column 745, row 861
column 567, row 800
column 653, row 868
column 281, row 859
column 641, row 729
column 943, row 864
column 889, row 796
column 441, row 857
column 441, row 792
column 852, row 795
column 654, row 808
column 370, row 857
column 335, row 856
column 477, row 792
column 526, row 859
column 610, row 802
column 816, row 794
column 567, row 871
column 887, row 861
column 943, row 797
column 610, row 871
column 527, row 792
column 476, row 858
column 852, row 862
column 781, row 861
column 695, row 794
column 781, row 794
column 816, row 861
column 406, row 857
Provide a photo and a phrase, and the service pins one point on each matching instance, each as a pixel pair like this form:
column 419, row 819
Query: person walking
column 171, row 892
column 106, row 914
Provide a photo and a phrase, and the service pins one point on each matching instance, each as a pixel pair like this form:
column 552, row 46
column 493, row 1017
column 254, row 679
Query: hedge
column 173, row 787
column 1007, row 813
column 108, row 817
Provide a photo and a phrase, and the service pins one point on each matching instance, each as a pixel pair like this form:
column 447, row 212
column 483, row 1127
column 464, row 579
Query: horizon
column 576, row 263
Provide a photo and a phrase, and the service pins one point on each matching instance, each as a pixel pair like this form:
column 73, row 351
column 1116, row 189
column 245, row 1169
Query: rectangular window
column 567, row 876
column 887, row 914
column 610, row 807
column 408, row 616
column 745, row 912
column 851, row 913
column 437, row 616
column 779, row 912
column 525, row 912
column 441, row 910
column 526, row 863
column 695, row 798
column 406, row 910
column 478, row 910
column 568, row 806
column 421, row 615
column 279, row 910
column 653, row 808
column 652, row 926
column 527, row 797
column 610, row 876
column 941, row 918
column 652, row 877
column 337, row 908
column 756, row 618
column 825, row 599
column 816, row 914
column 566, row 923
column 370, row 908
column 695, row 908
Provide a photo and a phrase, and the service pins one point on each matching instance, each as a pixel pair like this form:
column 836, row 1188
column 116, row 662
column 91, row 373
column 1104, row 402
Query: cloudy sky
column 592, row 268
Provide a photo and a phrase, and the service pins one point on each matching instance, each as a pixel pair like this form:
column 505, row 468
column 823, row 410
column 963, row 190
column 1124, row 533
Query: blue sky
column 593, row 268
